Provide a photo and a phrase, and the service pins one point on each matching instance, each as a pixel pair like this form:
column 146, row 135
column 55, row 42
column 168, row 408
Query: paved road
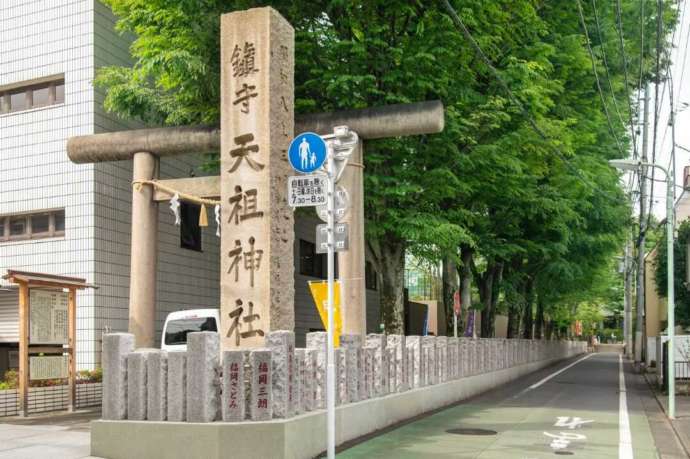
column 53, row 436
column 578, row 412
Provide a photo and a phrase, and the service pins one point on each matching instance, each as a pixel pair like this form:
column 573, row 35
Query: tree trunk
column 539, row 326
column 450, row 286
column 529, row 300
column 513, row 321
column 392, row 286
column 486, row 290
column 495, row 294
column 488, row 294
column 466, row 283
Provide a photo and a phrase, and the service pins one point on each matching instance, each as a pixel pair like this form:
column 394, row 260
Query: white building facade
column 49, row 54
column 61, row 218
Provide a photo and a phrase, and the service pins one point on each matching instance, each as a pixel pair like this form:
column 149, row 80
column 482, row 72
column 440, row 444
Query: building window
column 370, row 277
column 32, row 95
column 40, row 223
column 314, row 264
column 307, row 258
column 32, row 226
column 190, row 231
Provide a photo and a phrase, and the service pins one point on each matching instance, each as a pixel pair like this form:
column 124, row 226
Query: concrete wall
column 501, row 327
column 437, row 318
column 655, row 306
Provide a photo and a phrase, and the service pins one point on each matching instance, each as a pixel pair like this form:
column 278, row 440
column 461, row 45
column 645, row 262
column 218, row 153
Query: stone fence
column 279, row 381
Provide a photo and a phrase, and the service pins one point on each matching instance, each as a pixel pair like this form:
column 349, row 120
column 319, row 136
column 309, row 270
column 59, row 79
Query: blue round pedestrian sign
column 307, row 152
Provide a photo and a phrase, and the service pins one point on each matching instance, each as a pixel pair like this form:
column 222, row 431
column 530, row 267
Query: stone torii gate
column 257, row 124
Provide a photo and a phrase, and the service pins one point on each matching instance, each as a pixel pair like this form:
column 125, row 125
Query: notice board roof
column 47, row 280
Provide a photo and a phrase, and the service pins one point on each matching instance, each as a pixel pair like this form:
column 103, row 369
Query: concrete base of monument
column 302, row 436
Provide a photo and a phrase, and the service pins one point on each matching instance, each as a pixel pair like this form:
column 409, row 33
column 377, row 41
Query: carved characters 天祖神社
column 252, row 259
column 238, row 320
column 243, row 151
column 244, row 205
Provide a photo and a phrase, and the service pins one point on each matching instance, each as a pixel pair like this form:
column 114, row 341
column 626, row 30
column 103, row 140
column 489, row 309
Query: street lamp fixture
column 630, row 165
column 625, row 164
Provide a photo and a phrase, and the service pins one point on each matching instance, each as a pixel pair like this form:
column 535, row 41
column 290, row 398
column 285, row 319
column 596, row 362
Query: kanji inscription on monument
column 257, row 120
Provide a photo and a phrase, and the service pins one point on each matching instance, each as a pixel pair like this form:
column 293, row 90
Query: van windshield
column 176, row 332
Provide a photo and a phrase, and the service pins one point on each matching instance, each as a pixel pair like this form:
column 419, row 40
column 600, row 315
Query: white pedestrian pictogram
column 304, row 152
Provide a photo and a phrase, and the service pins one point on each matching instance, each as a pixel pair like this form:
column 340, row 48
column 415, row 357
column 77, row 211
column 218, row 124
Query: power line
column 604, row 59
column 668, row 67
column 673, row 111
column 470, row 39
column 685, row 56
column 596, row 78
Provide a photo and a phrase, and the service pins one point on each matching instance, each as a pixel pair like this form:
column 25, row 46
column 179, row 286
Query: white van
column 179, row 323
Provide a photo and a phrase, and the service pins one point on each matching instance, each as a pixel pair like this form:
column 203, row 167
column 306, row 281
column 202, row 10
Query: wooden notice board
column 47, row 324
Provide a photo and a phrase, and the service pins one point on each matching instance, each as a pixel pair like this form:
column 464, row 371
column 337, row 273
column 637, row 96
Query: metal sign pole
column 330, row 372
column 307, row 154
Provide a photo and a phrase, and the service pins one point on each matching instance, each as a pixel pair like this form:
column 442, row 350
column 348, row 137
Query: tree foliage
column 680, row 252
column 537, row 218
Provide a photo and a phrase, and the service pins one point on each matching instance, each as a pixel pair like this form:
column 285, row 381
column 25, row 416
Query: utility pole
column 672, row 122
column 639, row 322
column 627, row 298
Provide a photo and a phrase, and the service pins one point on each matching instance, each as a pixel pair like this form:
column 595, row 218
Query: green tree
column 680, row 250
column 530, row 220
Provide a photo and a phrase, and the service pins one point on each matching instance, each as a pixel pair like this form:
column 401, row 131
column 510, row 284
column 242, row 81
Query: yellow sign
column 319, row 291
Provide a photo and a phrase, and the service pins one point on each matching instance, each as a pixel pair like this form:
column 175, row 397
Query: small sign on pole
column 342, row 205
column 319, row 291
column 341, row 233
column 307, row 190
column 307, row 152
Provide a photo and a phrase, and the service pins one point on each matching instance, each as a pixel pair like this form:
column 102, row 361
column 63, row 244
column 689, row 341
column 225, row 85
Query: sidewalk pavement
column 54, row 436
column 680, row 427
column 682, row 422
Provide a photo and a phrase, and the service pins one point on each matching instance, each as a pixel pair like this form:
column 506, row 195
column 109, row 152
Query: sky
column 681, row 95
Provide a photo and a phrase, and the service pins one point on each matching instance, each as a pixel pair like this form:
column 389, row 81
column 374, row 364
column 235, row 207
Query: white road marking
column 553, row 375
column 571, row 423
column 625, row 450
column 562, row 440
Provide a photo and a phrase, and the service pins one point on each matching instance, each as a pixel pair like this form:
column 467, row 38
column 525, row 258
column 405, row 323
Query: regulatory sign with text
column 341, row 237
column 307, row 190
column 307, row 152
